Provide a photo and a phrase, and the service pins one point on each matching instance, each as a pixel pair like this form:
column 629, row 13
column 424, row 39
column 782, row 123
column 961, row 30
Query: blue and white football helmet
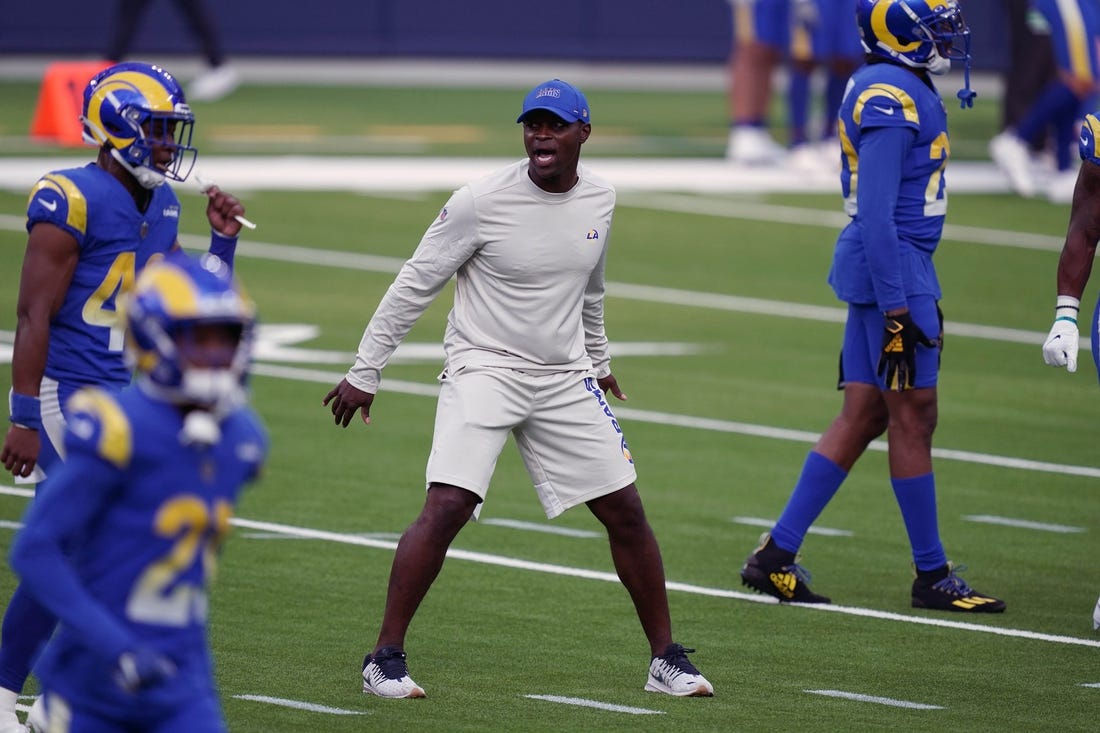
column 132, row 106
column 165, row 345
column 922, row 34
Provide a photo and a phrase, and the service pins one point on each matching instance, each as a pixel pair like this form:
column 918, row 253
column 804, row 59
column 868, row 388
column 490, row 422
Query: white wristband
column 1067, row 308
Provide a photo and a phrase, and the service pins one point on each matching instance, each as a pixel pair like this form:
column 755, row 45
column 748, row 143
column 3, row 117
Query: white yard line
column 877, row 700
column 579, row 701
column 701, row 423
column 300, row 705
column 1023, row 524
column 608, row 577
column 671, row 296
column 405, row 173
column 769, row 523
column 544, row 528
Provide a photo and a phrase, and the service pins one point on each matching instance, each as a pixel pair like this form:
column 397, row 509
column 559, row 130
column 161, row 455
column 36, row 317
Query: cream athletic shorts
column 568, row 437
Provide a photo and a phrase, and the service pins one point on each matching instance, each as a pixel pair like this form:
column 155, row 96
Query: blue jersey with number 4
column 116, row 240
column 141, row 516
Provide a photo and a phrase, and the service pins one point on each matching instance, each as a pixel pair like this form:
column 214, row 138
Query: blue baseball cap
column 559, row 97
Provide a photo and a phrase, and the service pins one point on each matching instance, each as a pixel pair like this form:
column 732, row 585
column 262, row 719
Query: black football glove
column 141, row 669
column 898, row 362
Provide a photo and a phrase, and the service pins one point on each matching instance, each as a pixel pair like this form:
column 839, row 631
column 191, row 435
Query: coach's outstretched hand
column 898, row 362
column 345, row 400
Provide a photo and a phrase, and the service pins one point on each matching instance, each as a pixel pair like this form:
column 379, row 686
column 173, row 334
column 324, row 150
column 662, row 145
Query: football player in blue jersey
column 90, row 231
column 1075, row 266
column 158, row 468
column 893, row 132
column 1074, row 28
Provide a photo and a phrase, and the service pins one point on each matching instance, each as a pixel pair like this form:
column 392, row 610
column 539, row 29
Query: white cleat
column 1061, row 186
column 1096, row 616
column 812, row 160
column 9, row 723
column 1011, row 155
column 385, row 674
column 37, row 722
column 672, row 674
column 213, row 84
column 753, row 146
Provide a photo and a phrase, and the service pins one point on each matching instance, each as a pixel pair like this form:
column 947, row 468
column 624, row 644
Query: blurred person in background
column 1074, row 30
column 823, row 35
column 761, row 37
column 1030, row 65
column 217, row 81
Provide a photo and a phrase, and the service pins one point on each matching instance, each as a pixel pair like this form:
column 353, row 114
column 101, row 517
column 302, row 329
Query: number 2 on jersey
column 160, row 596
column 935, row 200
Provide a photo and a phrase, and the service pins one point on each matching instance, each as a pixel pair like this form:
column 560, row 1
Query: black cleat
column 943, row 590
column 777, row 573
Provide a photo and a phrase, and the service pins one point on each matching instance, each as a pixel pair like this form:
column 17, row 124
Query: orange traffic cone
column 60, row 99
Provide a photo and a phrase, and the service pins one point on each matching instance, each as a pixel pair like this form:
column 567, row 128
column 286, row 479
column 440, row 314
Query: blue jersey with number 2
column 122, row 542
column 885, row 254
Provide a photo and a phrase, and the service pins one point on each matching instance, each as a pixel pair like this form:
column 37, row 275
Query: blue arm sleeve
column 223, row 247
column 882, row 151
column 54, row 521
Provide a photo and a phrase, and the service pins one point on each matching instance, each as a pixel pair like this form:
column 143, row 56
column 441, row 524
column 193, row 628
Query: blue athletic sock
column 798, row 104
column 1055, row 103
column 917, row 499
column 1066, row 131
column 819, row 482
column 26, row 628
column 834, row 94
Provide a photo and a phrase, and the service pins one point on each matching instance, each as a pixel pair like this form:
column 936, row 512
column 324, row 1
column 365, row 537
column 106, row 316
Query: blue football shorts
column 765, row 21
column 862, row 348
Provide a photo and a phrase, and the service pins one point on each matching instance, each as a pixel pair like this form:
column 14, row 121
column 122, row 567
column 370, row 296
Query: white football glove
column 1060, row 348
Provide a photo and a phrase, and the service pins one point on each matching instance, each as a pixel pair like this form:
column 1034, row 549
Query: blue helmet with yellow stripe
column 189, row 331
column 132, row 108
column 921, row 34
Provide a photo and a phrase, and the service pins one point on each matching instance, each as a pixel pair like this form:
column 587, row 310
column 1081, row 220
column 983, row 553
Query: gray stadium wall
column 581, row 30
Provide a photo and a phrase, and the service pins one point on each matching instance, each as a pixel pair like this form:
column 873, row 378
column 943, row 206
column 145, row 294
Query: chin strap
column 147, row 177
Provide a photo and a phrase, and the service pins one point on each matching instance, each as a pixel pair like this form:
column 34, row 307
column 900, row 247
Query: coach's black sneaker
column 943, row 590
column 776, row 572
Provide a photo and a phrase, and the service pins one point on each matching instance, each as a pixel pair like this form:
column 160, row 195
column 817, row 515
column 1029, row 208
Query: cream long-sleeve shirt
column 529, row 286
